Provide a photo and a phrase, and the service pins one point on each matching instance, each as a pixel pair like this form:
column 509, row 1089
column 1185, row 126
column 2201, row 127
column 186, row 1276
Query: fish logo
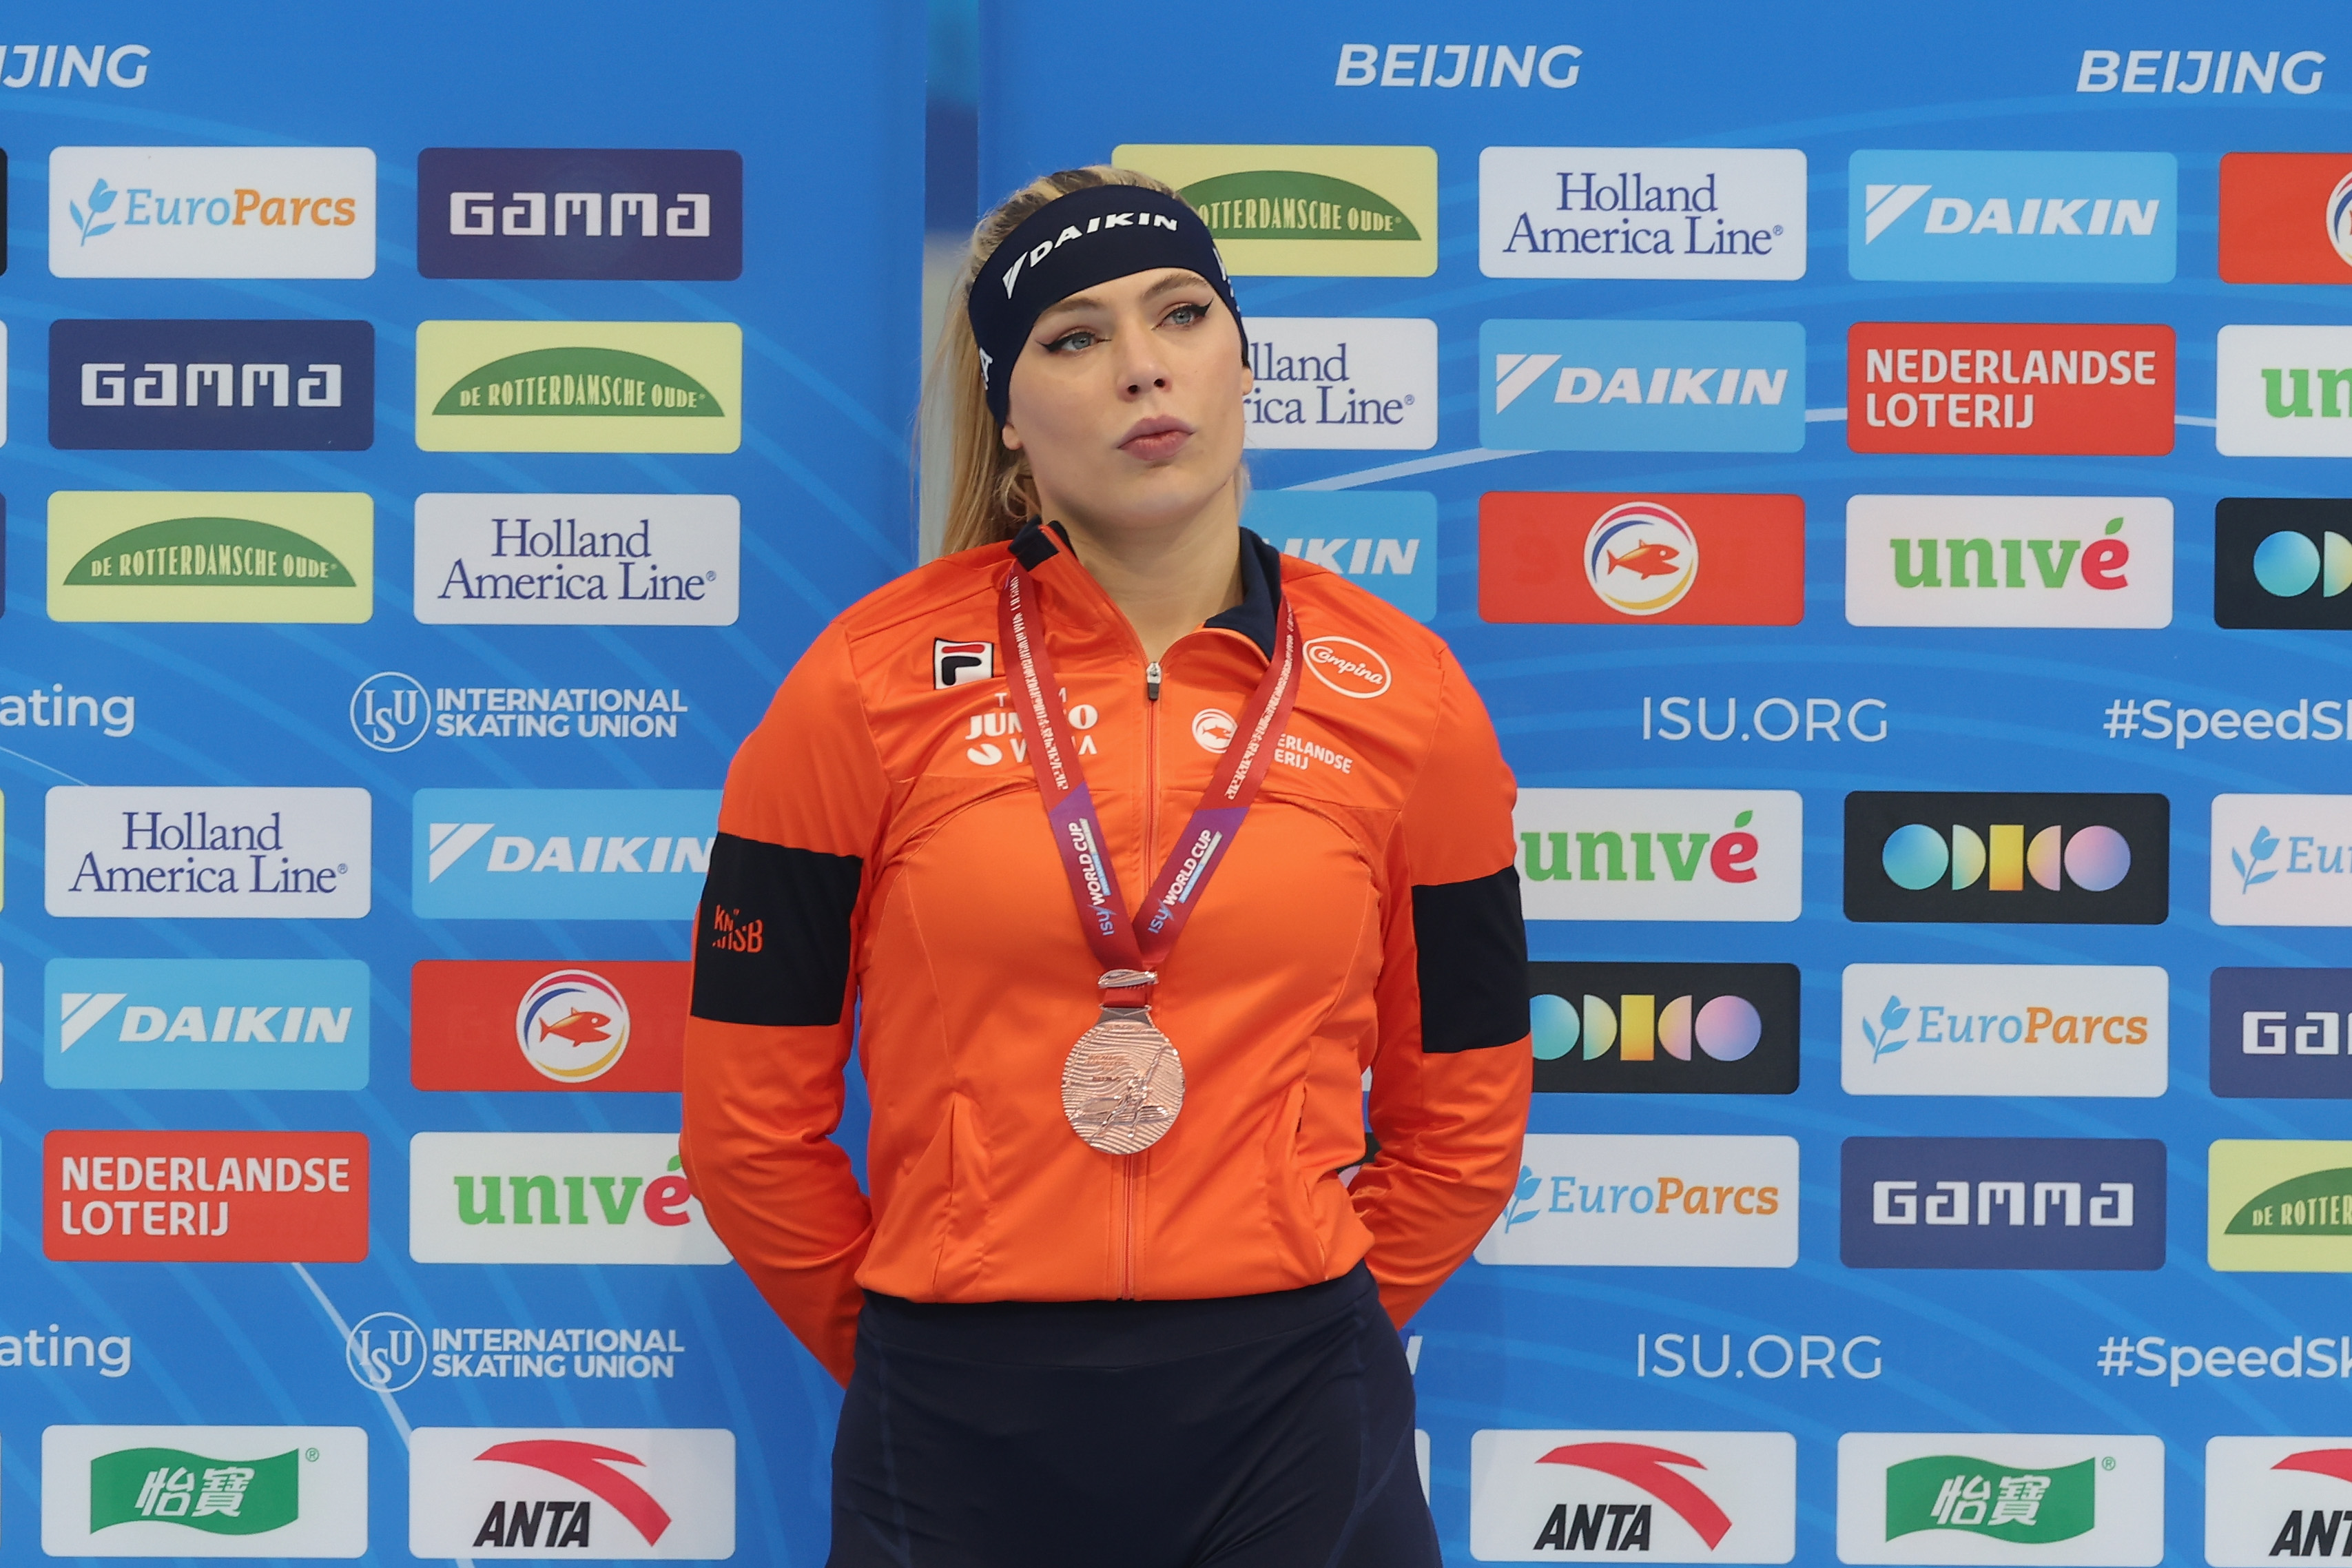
column 1641, row 558
column 2339, row 218
column 572, row 1025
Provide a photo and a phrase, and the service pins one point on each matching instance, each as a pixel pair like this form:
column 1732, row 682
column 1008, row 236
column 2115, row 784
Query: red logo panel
column 542, row 1024
column 2286, row 217
column 205, row 1197
column 2079, row 389
column 1641, row 558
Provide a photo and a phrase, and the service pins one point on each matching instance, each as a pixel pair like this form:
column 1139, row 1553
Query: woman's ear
column 1009, row 435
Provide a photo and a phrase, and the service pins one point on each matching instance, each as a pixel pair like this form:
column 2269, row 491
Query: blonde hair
column 991, row 492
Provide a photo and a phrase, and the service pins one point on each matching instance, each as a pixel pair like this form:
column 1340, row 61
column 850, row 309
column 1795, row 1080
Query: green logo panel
column 211, row 555
column 579, row 387
column 2024, row 1504
column 171, row 1485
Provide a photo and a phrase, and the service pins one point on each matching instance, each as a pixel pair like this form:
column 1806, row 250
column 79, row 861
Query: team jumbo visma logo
column 1654, row 1496
column 597, row 1492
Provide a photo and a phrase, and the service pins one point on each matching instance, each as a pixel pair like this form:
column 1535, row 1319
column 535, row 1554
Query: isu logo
column 1348, row 667
column 960, row 663
column 572, row 1025
column 1641, row 558
column 1661, row 1496
column 577, row 1492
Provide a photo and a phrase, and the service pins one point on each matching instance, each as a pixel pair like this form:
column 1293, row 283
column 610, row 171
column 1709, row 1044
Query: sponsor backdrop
column 436, row 432
column 1883, row 468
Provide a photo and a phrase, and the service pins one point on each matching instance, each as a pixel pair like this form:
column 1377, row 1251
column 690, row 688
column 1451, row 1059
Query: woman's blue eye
column 1185, row 315
column 1070, row 340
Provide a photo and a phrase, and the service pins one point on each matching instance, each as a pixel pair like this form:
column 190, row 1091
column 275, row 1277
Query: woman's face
column 1128, row 400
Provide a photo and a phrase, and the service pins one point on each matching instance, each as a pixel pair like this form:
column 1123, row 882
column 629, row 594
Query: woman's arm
column 773, row 1010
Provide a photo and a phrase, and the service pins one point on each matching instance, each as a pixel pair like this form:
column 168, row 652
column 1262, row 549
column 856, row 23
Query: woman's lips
column 1156, row 440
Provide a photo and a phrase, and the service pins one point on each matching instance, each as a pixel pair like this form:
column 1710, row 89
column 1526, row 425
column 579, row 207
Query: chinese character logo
column 218, row 1496
column 2036, row 1507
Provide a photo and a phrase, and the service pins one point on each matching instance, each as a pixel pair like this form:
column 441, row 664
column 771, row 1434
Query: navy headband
column 1071, row 244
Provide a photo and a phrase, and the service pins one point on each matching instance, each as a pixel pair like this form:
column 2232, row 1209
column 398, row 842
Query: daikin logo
column 211, row 1023
column 2078, row 217
column 1643, row 386
column 562, row 854
column 1383, row 541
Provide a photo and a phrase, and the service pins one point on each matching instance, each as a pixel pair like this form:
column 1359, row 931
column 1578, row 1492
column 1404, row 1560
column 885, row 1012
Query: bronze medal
column 1122, row 1083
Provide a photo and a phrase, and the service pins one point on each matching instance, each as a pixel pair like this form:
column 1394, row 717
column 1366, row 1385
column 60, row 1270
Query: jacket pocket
column 1290, row 1208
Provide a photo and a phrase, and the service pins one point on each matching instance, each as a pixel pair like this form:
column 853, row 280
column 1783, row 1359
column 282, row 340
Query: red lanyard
column 1070, row 809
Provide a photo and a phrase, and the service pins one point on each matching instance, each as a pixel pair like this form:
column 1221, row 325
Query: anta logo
column 1660, row 1496
column 2001, row 1203
column 586, row 1465
column 2092, row 858
column 579, row 1492
column 2313, row 1534
column 1629, row 1523
column 1600, row 855
column 1664, row 1029
column 960, row 663
column 1349, row 668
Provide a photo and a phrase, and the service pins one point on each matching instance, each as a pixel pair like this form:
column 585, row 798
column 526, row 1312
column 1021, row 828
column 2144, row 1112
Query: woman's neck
column 1166, row 578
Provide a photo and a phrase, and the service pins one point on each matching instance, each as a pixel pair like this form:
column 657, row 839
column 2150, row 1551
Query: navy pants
column 1245, row 1432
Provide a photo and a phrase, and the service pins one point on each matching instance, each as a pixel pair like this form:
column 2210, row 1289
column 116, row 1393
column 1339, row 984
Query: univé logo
column 2283, row 391
column 2009, row 560
column 2098, row 859
column 2286, row 217
column 204, row 1491
column 579, row 387
column 553, row 1198
column 1704, row 855
column 1664, row 1029
column 1656, row 1497
column 593, row 1492
column 1972, row 1497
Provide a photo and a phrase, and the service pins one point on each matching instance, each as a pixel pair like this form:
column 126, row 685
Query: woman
column 1114, row 1298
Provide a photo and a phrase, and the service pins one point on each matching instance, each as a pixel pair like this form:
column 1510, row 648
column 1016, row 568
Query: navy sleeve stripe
column 1473, row 962
column 772, row 938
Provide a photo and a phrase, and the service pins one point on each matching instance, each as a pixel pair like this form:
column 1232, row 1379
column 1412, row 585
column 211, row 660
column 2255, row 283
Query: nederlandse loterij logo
column 2009, row 560
column 579, row 387
column 2275, row 1500
column 1642, row 212
column 553, row 1198
column 2010, row 388
column 1621, row 559
column 233, row 385
column 204, row 1491
column 2041, row 857
column 1651, row 1497
column 579, row 854
column 1641, row 1200
column 2283, row 391
column 2286, row 217
column 579, row 212
column 2041, row 1029
column 2283, row 563
column 2281, row 860
column 126, row 1197
column 2279, row 1206
column 212, row 212
column 2014, row 217
column 1383, row 541
column 571, row 1491
column 1306, row 211
column 1660, row 854
column 1642, row 386
column 2001, row 1203
column 211, row 555
column 522, row 1024
column 209, row 1023
column 142, row 852
column 2281, row 1033
column 1342, row 382
column 1966, row 1497
column 1664, row 1029
column 577, row 560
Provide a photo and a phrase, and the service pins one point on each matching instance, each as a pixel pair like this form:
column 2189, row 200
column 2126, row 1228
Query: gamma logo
column 251, row 386
column 576, row 212
column 2009, row 560
column 1641, row 1200
column 2283, row 564
column 1660, row 560
column 1664, row 1029
column 2269, row 1499
column 211, row 555
column 592, row 1492
column 1654, row 1496
column 553, row 1198
column 578, row 853
column 2282, row 1033
column 2035, row 858
column 2280, row 1206
column 2014, row 217
column 2001, row 1203
column 579, row 387
column 1643, row 386
column 204, row 1491
column 206, row 1022
column 1660, row 855
column 1306, row 211
column 1946, row 1496
column 2042, row 1030
column 2286, row 217
column 529, row 1024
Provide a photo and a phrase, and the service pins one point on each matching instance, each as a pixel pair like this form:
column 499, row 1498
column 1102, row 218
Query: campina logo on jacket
column 1642, row 386
column 2283, row 563
column 2005, row 1029
column 579, row 212
column 212, row 212
column 2286, row 217
column 578, row 560
column 553, row 1198
column 2279, row 1206
column 2283, row 391
column 2009, row 560
column 2281, row 860
column 138, row 852
column 1306, row 211
column 211, row 555
column 1643, row 560
column 1660, row 854
column 1642, row 212
column 1342, row 382
column 595, row 1492
column 2012, row 217
column 1648, row 1497
column 2008, row 389
column 2276, row 1500
column 2001, row 1203
column 1641, row 1200
column 1664, row 1029
column 537, row 1024
column 204, row 1022
column 2000, row 1497
column 545, row 853
column 130, row 1196
column 225, row 385
column 579, row 387
column 204, row 1491
column 1383, row 541
column 2281, row 1033
column 2028, row 857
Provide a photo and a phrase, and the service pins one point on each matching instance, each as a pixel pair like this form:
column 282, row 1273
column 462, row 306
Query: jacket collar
column 1255, row 617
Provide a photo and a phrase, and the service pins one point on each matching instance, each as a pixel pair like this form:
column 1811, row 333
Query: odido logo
column 1664, row 1029
column 1663, row 1497
column 2043, row 858
column 1348, row 667
column 2283, row 564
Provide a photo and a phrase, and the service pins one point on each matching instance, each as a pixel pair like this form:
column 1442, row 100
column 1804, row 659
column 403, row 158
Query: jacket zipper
column 1130, row 1173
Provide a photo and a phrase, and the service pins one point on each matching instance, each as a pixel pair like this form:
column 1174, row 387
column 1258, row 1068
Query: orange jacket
column 883, row 869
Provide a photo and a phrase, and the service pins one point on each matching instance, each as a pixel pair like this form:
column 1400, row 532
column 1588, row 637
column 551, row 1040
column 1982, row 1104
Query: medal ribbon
column 1120, row 941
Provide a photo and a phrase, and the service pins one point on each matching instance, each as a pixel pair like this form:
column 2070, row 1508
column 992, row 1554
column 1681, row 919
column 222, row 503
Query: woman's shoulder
column 1331, row 606
column 952, row 585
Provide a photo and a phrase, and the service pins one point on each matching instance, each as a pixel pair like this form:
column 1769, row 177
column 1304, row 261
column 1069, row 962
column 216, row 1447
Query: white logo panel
column 249, row 853
column 571, row 1491
column 553, row 1198
column 1642, row 212
column 1342, row 382
column 2120, row 1525
column 578, row 560
column 1650, row 1497
column 1639, row 1201
column 2281, row 860
column 2275, row 1500
column 1660, row 854
column 212, row 212
column 2005, row 1029
column 2009, row 560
